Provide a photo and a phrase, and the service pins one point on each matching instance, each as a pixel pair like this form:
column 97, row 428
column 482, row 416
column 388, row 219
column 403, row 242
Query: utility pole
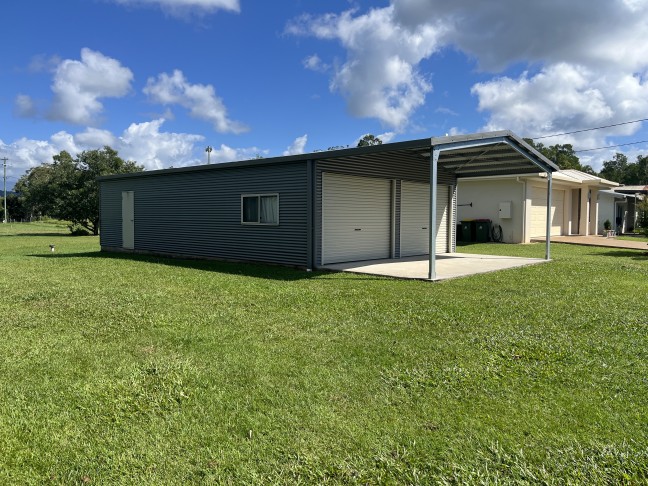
column 4, row 180
column 209, row 151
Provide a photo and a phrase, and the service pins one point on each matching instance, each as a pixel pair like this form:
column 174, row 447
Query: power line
column 612, row 146
column 590, row 129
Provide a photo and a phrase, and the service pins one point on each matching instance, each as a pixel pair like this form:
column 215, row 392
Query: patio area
column 448, row 265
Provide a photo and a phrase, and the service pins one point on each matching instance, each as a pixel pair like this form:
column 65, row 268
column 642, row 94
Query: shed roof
column 478, row 154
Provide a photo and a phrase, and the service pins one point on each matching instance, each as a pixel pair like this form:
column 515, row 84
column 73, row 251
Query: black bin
column 482, row 230
column 467, row 231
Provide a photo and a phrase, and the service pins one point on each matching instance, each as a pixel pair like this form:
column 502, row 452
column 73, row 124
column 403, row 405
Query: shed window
column 260, row 208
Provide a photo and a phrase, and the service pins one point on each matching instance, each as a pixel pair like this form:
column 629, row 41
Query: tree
column 33, row 188
column 642, row 170
column 615, row 169
column 16, row 210
column 643, row 216
column 369, row 140
column 67, row 189
column 563, row 155
column 619, row 169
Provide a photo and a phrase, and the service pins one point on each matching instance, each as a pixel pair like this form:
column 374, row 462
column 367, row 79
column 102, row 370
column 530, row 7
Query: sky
column 160, row 80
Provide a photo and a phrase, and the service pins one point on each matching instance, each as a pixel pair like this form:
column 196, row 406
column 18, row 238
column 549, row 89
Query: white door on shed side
column 356, row 218
column 415, row 218
column 538, row 219
column 128, row 220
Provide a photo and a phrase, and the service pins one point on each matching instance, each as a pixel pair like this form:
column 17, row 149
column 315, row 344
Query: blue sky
column 159, row 80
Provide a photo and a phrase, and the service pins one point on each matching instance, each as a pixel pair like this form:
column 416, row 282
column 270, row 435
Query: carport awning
column 475, row 155
column 489, row 154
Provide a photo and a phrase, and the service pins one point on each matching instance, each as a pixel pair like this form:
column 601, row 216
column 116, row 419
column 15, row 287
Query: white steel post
column 434, row 158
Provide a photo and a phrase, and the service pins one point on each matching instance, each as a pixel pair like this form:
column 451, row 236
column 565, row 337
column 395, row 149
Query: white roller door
column 356, row 218
column 538, row 221
column 415, row 219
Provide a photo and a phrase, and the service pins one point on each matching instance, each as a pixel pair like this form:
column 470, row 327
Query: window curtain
column 269, row 209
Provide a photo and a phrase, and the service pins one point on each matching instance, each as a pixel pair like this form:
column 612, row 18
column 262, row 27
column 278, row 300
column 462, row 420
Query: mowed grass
column 641, row 238
column 119, row 369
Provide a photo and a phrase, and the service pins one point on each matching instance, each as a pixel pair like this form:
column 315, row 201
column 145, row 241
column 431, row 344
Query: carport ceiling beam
column 483, row 162
column 494, row 167
column 452, row 158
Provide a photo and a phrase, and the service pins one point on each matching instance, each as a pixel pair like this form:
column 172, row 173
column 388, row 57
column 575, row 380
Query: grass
column 637, row 237
column 118, row 369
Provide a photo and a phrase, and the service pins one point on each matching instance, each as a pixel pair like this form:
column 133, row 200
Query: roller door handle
column 358, row 229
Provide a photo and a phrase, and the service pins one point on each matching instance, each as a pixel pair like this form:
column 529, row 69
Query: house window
column 260, row 209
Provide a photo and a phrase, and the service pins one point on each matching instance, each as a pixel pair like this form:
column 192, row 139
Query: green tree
column 67, row 188
column 563, row 155
column 643, row 216
column 616, row 169
column 16, row 210
column 619, row 169
column 641, row 172
column 369, row 140
column 34, row 189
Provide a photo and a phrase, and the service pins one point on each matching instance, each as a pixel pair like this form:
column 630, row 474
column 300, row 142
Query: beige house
column 519, row 203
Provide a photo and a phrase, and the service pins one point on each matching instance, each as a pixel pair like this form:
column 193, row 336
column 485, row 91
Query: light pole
column 4, row 184
column 209, row 151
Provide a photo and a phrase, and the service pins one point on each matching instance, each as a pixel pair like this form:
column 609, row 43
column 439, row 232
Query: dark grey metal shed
column 309, row 210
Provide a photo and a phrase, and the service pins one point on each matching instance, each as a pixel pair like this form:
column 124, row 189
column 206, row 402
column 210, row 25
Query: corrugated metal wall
column 198, row 213
column 406, row 167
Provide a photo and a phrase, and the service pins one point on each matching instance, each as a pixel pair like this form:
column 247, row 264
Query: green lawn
column 119, row 369
column 641, row 238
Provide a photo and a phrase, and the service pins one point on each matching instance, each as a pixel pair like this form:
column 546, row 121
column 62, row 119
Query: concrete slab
column 448, row 265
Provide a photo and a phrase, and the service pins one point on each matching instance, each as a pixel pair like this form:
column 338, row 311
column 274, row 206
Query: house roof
column 478, row 154
column 617, row 195
column 584, row 178
column 632, row 189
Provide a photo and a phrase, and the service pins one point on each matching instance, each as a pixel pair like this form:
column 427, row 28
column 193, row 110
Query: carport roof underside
column 475, row 155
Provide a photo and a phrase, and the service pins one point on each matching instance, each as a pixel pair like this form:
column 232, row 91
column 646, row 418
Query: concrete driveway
column 448, row 265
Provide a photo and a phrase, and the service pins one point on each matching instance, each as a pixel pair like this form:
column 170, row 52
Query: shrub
column 643, row 216
column 78, row 230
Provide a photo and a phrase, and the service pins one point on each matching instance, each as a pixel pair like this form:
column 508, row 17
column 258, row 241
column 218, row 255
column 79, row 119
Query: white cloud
column 315, row 63
column 147, row 145
column 230, row 154
column 589, row 65
column 42, row 63
column 387, row 136
column 297, row 147
column 446, row 111
column 78, row 86
column 24, row 106
column 183, row 7
column 22, row 154
column 143, row 142
column 199, row 99
column 499, row 33
column 380, row 78
column 456, row 131
column 95, row 138
column 562, row 98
